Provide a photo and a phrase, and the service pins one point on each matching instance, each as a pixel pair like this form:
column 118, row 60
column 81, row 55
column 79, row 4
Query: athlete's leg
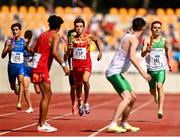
column 86, row 84
column 21, row 90
column 161, row 97
column 45, row 100
column 126, row 99
column 128, row 108
column 154, row 94
column 26, row 91
column 37, row 88
column 161, row 76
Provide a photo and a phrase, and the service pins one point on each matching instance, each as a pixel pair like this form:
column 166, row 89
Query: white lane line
column 54, row 118
column 133, row 111
column 36, row 108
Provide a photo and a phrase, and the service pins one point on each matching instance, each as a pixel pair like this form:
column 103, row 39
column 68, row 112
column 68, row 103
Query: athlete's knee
column 159, row 85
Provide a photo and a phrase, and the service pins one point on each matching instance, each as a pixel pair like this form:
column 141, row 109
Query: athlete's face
column 79, row 28
column 16, row 31
column 156, row 29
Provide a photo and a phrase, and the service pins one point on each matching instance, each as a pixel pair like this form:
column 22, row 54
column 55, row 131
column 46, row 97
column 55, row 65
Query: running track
column 19, row 123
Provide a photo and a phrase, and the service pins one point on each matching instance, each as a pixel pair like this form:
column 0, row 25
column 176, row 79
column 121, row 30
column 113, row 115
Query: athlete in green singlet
column 157, row 55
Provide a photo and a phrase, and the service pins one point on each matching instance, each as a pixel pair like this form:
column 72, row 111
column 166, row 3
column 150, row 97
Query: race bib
column 79, row 53
column 35, row 60
column 157, row 58
column 17, row 57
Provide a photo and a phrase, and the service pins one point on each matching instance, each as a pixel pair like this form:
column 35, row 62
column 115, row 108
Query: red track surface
column 144, row 115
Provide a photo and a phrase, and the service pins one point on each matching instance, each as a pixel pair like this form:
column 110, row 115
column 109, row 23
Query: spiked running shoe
column 160, row 115
column 19, row 106
column 81, row 111
column 128, row 127
column 86, row 108
column 46, row 128
column 116, row 129
column 29, row 110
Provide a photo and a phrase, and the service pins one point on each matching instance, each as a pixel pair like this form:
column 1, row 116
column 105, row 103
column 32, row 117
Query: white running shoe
column 46, row 128
column 29, row 110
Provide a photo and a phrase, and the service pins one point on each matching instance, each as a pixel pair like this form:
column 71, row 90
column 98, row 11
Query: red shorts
column 78, row 73
column 39, row 77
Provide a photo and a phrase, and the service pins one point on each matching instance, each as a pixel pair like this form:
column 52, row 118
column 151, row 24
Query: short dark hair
column 28, row 34
column 79, row 20
column 55, row 22
column 155, row 22
column 16, row 25
column 138, row 24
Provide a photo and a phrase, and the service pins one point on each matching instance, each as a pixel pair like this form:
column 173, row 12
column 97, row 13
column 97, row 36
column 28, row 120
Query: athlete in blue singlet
column 15, row 48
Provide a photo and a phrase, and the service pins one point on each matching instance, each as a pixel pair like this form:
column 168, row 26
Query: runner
column 125, row 54
column 15, row 48
column 157, row 54
column 68, row 56
column 81, row 63
column 27, row 70
column 47, row 47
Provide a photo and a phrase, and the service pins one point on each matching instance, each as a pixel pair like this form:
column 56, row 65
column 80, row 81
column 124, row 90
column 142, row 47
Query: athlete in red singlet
column 45, row 49
column 82, row 62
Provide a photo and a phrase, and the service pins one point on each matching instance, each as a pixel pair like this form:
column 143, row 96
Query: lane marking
column 57, row 117
column 133, row 111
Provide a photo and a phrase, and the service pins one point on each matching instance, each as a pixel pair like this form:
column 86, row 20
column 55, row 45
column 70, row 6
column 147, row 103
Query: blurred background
column 107, row 19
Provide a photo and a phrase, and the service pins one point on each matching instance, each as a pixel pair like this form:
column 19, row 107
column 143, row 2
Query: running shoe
column 160, row 115
column 86, row 108
column 128, row 127
column 115, row 128
column 81, row 111
column 29, row 110
column 74, row 109
column 16, row 90
column 46, row 128
column 19, row 106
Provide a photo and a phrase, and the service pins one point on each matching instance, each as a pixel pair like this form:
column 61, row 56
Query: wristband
column 63, row 64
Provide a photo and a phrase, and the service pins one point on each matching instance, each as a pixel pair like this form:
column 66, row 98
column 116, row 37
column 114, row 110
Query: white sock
column 113, row 124
column 124, row 123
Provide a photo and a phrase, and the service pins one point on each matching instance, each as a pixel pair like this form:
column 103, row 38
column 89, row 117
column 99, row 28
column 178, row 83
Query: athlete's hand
column 147, row 77
column 99, row 56
column 66, row 70
column 170, row 68
column 149, row 48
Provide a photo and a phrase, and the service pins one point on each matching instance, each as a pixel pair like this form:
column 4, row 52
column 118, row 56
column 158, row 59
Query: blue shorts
column 14, row 70
column 27, row 71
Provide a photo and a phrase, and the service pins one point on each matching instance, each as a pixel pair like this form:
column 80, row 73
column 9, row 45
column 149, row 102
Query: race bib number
column 17, row 57
column 35, row 60
column 79, row 53
column 157, row 58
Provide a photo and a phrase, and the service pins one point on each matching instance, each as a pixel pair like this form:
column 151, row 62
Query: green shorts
column 157, row 77
column 119, row 83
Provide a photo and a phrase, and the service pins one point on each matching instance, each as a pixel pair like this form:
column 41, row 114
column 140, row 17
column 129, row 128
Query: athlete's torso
column 121, row 61
column 16, row 55
column 81, row 52
column 43, row 53
column 156, row 59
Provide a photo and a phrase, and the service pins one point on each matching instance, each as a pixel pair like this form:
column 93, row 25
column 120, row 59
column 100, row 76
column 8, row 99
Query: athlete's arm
column 132, row 54
column 33, row 46
column 145, row 48
column 96, row 40
column 55, row 52
column 7, row 48
column 168, row 53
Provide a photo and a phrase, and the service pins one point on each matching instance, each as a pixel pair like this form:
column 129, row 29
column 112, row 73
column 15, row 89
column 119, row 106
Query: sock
column 113, row 124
